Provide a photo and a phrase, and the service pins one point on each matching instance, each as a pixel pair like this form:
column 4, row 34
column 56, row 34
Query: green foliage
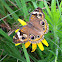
column 12, row 12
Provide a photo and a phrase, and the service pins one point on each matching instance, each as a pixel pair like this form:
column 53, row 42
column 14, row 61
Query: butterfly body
column 34, row 30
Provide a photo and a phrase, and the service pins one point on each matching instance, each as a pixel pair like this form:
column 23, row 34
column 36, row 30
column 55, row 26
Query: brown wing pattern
column 34, row 30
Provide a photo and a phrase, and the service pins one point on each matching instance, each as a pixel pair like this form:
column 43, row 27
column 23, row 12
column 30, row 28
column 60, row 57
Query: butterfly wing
column 37, row 20
column 21, row 36
column 37, row 13
column 39, row 24
column 34, row 30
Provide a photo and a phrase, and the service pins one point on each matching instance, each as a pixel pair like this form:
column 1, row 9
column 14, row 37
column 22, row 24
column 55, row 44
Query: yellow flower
column 34, row 45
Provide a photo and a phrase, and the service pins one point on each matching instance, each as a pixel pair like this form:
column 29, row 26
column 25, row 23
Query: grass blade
column 9, row 46
column 34, row 4
column 24, row 8
column 9, row 9
column 48, row 10
column 25, row 52
column 41, row 4
column 53, row 6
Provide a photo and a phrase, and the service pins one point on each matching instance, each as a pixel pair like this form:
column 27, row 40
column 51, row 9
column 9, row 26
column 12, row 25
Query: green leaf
column 10, row 10
column 53, row 11
column 59, row 31
column 1, row 12
column 53, row 7
column 41, row 4
column 48, row 18
column 34, row 4
column 10, row 47
column 24, row 8
column 48, row 10
column 25, row 52
column 18, row 3
column 5, row 35
column 61, row 6
column 32, row 57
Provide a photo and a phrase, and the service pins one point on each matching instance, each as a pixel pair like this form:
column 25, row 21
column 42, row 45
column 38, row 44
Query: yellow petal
column 17, row 44
column 22, row 22
column 16, row 30
column 45, row 42
column 27, row 44
column 40, row 46
column 34, row 46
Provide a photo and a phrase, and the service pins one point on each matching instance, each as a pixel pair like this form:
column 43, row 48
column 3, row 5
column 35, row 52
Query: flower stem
column 25, row 52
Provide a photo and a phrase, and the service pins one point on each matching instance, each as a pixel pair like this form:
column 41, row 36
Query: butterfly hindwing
column 20, row 36
column 37, row 20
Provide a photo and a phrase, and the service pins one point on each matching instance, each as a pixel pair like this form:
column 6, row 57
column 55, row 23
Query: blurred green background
column 10, row 11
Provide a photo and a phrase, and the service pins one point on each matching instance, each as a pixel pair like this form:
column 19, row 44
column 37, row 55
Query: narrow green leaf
column 59, row 24
column 52, row 52
column 2, row 12
column 32, row 57
column 48, row 18
column 39, row 53
column 18, row 3
column 59, row 31
column 9, row 9
column 2, row 7
column 25, row 52
column 61, row 6
column 34, row 4
column 5, row 35
column 48, row 10
column 53, row 6
column 10, row 47
column 41, row 4
column 24, row 8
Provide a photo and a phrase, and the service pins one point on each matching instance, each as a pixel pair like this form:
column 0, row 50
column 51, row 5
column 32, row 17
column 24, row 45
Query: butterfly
column 35, row 29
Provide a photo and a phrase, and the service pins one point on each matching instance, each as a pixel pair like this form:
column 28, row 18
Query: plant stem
column 25, row 52
column 56, row 40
